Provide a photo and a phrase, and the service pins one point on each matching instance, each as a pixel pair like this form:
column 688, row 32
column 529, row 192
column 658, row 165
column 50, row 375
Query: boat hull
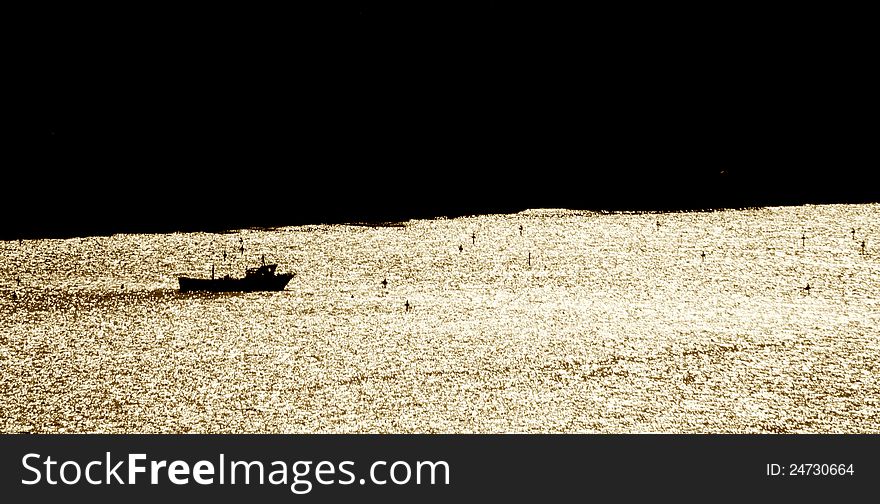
column 247, row 284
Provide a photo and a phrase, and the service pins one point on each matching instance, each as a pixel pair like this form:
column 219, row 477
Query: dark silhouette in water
column 122, row 287
column 530, row 258
column 807, row 288
column 854, row 233
column 703, row 256
column 241, row 245
column 520, row 229
column 473, row 238
column 263, row 259
column 407, row 305
column 384, row 283
column 460, row 248
column 224, row 254
column 212, row 272
column 263, row 278
column 864, row 247
column 803, row 240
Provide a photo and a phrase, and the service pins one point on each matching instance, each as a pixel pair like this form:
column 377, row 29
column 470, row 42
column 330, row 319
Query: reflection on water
column 687, row 322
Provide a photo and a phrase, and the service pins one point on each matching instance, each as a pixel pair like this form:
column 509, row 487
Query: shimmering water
column 614, row 324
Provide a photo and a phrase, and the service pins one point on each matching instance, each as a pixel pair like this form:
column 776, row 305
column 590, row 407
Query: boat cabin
column 264, row 270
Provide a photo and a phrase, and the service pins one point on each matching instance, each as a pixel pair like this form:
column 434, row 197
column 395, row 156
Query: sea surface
column 582, row 322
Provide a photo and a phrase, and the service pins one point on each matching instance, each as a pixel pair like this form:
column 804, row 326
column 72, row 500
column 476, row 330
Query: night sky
column 321, row 114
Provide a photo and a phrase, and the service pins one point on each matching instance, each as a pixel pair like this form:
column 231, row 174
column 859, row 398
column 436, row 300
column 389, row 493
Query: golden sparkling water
column 584, row 322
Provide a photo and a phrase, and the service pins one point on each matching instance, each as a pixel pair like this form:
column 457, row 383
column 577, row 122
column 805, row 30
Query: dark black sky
column 129, row 116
